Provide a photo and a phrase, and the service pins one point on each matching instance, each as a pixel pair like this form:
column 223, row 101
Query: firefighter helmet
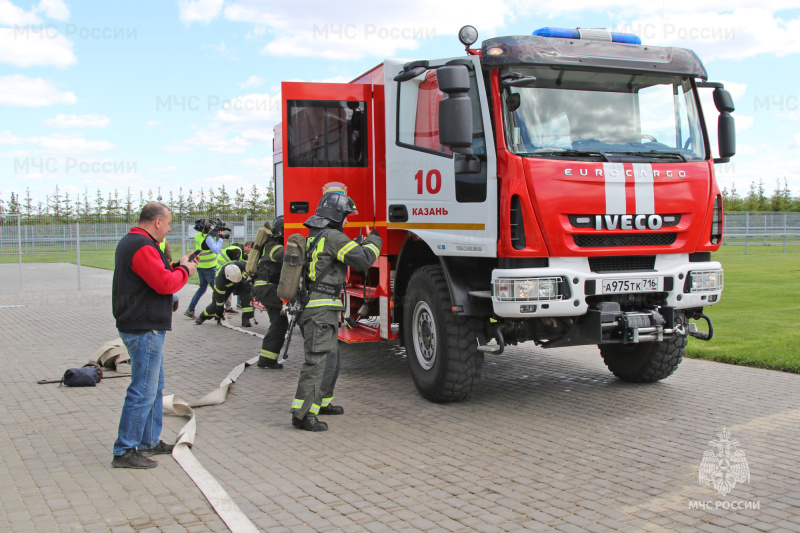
column 277, row 227
column 233, row 273
column 333, row 207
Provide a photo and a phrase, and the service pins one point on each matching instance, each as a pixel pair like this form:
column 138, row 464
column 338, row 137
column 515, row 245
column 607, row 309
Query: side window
column 418, row 115
column 327, row 133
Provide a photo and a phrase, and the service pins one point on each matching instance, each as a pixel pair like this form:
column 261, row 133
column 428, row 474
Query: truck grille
column 628, row 263
column 627, row 239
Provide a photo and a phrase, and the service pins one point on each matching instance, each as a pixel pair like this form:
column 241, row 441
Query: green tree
column 238, row 201
column 13, row 204
column 191, row 208
column 27, row 204
column 113, row 207
column 55, row 203
column 202, row 204
column 69, row 211
column 212, row 202
column 252, row 205
column 224, row 205
column 127, row 208
column 99, row 204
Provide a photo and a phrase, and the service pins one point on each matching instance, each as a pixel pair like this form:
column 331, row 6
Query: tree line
column 756, row 198
column 60, row 206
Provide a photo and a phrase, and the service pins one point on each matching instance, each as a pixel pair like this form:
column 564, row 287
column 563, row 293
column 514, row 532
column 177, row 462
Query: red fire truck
column 556, row 188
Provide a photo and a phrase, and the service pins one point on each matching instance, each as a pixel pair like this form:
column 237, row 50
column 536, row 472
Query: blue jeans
column 206, row 276
column 140, row 422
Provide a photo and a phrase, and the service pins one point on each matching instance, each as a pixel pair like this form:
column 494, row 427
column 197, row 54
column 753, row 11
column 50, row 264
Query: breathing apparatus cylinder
column 294, row 258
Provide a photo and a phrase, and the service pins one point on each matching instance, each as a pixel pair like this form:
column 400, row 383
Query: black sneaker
column 266, row 362
column 331, row 410
column 133, row 459
column 309, row 423
column 162, row 448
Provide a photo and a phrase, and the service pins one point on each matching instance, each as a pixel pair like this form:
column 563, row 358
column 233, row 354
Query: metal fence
column 35, row 252
column 770, row 228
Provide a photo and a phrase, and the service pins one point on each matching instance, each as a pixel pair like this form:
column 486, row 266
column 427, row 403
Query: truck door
column 454, row 213
column 326, row 138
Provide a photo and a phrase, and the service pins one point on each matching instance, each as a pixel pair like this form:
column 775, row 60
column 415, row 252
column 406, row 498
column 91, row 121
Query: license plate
column 630, row 285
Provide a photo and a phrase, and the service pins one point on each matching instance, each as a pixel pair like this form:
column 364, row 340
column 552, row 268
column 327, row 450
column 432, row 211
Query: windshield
column 569, row 112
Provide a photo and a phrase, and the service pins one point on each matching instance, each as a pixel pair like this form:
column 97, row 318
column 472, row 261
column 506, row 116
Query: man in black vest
column 142, row 289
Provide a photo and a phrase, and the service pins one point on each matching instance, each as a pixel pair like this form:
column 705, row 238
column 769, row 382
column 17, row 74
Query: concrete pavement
column 549, row 440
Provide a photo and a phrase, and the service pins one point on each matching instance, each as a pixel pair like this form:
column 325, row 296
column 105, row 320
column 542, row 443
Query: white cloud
column 12, row 15
column 737, row 34
column 203, row 11
column 30, row 46
column 77, row 121
column 257, row 162
column 168, row 168
column 251, row 109
column 17, row 90
column 54, row 9
column 72, row 144
column 212, row 139
column 363, row 29
column 154, row 123
column 230, row 181
column 252, row 81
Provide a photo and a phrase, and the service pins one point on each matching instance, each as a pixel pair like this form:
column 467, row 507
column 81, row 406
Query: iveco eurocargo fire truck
column 556, row 188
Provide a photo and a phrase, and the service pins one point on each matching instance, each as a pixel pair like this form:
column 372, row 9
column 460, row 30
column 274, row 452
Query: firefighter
column 231, row 279
column 234, row 252
column 330, row 252
column 265, row 291
column 209, row 240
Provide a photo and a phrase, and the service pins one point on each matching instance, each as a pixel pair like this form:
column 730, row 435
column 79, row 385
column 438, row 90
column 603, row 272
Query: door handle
column 398, row 213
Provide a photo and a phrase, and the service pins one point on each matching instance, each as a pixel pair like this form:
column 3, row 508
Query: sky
column 148, row 94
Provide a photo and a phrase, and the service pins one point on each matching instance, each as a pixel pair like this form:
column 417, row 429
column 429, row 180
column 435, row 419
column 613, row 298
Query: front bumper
column 579, row 284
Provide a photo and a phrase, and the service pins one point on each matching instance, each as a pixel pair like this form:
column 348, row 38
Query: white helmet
column 233, row 273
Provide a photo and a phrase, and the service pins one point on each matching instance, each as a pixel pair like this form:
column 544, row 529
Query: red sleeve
column 148, row 265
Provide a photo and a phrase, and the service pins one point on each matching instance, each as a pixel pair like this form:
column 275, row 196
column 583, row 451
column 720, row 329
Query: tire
column 442, row 347
column 646, row 362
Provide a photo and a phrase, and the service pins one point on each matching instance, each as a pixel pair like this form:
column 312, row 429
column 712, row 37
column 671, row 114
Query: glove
column 374, row 232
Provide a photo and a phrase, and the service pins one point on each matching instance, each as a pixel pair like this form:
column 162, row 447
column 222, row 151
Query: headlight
column 533, row 289
column 704, row 281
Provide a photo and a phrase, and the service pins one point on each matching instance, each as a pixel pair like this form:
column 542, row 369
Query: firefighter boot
column 331, row 410
column 266, row 362
column 309, row 423
column 246, row 322
column 202, row 318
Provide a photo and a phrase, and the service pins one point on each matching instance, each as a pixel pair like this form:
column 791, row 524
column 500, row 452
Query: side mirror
column 455, row 109
column 726, row 127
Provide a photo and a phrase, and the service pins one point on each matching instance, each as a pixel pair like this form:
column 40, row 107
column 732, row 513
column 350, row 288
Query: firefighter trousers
column 320, row 370
column 217, row 306
column 278, row 323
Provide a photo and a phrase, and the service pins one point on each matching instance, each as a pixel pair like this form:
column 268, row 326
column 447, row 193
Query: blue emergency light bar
column 590, row 34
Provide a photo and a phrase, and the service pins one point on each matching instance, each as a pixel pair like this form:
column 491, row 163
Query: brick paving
column 549, row 440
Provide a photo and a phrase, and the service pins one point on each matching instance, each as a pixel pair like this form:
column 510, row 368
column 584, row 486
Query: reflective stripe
column 274, row 249
column 247, row 310
column 374, row 249
column 346, row 248
column 269, row 355
column 260, row 283
column 297, row 404
column 324, row 303
column 314, row 409
column 312, row 269
column 219, row 291
column 326, row 401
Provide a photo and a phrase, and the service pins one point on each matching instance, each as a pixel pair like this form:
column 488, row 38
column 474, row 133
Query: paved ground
column 549, row 440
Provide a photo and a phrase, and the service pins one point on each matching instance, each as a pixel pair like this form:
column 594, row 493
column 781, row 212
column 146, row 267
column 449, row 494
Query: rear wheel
column 442, row 347
column 645, row 362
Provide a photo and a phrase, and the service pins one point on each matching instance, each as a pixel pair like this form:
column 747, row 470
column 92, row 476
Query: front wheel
column 645, row 362
column 442, row 347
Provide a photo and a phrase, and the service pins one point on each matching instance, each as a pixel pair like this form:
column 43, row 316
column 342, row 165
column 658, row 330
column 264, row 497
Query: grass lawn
column 757, row 321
